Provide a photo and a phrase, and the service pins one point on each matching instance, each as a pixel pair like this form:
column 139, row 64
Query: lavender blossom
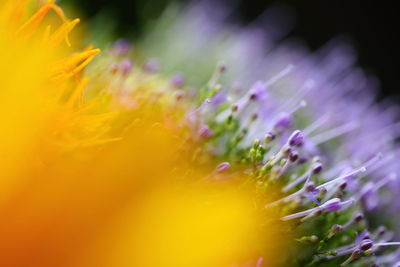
column 303, row 122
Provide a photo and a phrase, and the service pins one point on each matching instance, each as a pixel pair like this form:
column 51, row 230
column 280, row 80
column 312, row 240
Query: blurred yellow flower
column 86, row 182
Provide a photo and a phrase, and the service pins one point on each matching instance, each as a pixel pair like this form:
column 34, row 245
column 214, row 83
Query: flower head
column 189, row 169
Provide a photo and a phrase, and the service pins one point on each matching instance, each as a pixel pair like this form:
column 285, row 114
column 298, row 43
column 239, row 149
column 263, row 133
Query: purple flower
column 126, row 66
column 222, row 167
column 293, row 156
column 340, row 124
column 283, row 122
column 335, row 204
column 151, row 66
column 296, row 138
column 177, row 80
column 205, row 132
column 317, row 167
column 258, row 91
column 122, row 47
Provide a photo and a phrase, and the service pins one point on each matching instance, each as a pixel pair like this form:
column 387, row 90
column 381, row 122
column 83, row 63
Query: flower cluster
column 275, row 157
column 310, row 126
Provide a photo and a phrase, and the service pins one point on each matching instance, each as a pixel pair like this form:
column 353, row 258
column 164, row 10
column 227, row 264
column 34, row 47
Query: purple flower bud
column 381, row 230
column 222, row 67
column 177, row 80
column 359, row 216
column 122, row 47
column 126, row 66
column 332, row 205
column 287, row 150
column 317, row 167
column 318, row 212
column 152, row 65
column 296, row 138
column 222, row 167
column 310, row 187
column 356, row 254
column 361, row 237
column 303, row 160
column 205, row 131
column 343, row 186
column 258, row 91
column 366, row 244
column 253, row 96
column 294, row 155
column 283, row 122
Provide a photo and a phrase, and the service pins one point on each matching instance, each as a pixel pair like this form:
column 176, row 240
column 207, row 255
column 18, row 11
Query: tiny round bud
column 293, row 156
column 126, row 66
column 269, row 137
column 253, row 96
column 343, row 186
column 366, row 244
column 359, row 216
column 222, row 67
column 366, row 236
column 302, row 160
column 381, row 230
column 336, row 228
column 122, row 47
column 259, row 156
column 152, row 65
column 323, row 191
column 367, row 252
column 177, row 80
column 310, row 187
column 317, row 167
column 205, row 132
column 317, row 212
column 296, row 138
column 287, row 150
column 234, row 108
column 283, row 122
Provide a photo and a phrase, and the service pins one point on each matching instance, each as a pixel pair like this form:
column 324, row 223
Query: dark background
column 373, row 25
